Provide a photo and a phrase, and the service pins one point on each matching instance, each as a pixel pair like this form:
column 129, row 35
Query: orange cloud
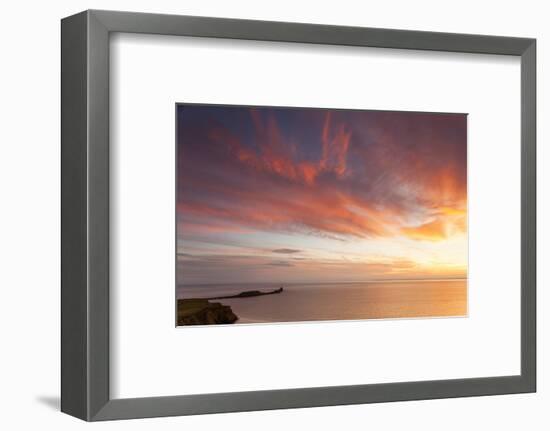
column 432, row 231
column 276, row 156
column 355, row 173
column 335, row 147
column 447, row 222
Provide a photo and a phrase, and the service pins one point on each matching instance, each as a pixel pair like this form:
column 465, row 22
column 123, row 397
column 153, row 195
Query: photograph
column 308, row 214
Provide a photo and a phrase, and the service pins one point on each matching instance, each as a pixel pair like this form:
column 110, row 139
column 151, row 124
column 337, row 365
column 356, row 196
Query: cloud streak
column 203, row 269
column 327, row 173
column 286, row 251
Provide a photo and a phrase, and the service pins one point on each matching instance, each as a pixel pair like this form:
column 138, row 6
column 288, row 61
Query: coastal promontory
column 204, row 312
column 201, row 311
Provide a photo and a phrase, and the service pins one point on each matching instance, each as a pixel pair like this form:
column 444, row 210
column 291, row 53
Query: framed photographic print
column 263, row 215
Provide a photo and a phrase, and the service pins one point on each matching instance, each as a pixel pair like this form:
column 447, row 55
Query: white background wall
column 29, row 212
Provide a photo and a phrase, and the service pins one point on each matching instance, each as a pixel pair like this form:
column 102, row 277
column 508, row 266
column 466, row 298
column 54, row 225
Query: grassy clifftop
column 204, row 312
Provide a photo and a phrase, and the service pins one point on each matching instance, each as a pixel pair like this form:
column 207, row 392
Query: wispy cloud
column 286, row 251
column 359, row 174
column 181, row 254
column 280, row 263
column 231, row 268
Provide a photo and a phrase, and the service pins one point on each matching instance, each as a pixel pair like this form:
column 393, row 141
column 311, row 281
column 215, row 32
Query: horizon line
column 379, row 280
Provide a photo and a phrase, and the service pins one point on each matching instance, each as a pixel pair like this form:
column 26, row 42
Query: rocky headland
column 203, row 312
column 249, row 293
column 200, row 311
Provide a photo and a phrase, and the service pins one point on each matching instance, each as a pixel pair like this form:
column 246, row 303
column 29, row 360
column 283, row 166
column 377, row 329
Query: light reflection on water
column 341, row 301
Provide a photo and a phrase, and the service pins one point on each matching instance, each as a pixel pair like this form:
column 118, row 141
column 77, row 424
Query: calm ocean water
column 341, row 301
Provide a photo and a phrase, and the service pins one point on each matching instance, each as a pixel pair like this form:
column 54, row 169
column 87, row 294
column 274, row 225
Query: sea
column 300, row 302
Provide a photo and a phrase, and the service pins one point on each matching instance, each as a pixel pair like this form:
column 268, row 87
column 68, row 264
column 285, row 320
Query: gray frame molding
column 85, row 215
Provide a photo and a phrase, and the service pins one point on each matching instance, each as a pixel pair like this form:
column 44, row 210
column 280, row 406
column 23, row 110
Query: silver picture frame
column 85, row 215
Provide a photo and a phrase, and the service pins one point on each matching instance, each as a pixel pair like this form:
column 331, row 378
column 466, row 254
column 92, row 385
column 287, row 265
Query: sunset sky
column 279, row 195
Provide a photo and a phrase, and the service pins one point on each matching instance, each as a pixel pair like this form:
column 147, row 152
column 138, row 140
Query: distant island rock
column 203, row 312
column 248, row 294
column 200, row 311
